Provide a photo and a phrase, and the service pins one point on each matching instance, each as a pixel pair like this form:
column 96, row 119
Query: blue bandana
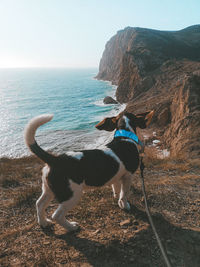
column 128, row 134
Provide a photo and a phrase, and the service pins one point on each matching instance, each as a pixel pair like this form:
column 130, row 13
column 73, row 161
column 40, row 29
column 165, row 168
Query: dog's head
column 126, row 121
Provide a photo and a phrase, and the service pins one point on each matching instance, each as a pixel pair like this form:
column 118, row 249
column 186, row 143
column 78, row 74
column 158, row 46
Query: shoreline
column 59, row 139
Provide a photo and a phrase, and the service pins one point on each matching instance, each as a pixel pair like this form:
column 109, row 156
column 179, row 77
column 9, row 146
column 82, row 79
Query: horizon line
column 50, row 67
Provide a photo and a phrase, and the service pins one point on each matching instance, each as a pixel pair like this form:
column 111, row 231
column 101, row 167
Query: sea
column 75, row 98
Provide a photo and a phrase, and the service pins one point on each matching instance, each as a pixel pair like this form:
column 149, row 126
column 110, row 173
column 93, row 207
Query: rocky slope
column 159, row 70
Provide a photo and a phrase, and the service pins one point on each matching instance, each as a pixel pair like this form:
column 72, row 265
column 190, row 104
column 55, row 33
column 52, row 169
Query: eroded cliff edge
column 159, row 70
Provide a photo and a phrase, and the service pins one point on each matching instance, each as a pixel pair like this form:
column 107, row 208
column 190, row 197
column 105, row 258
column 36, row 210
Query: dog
column 65, row 176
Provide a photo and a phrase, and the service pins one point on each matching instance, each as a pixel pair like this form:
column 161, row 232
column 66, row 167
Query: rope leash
column 168, row 264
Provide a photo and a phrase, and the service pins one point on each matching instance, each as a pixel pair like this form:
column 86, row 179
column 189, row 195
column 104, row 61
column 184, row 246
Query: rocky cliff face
column 183, row 133
column 160, row 70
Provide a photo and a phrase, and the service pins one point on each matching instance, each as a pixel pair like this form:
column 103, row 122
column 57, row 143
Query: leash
column 130, row 135
column 168, row 264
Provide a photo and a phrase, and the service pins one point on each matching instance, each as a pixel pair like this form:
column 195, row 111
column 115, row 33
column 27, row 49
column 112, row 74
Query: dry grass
column 25, row 197
column 8, row 182
column 173, row 194
column 182, row 164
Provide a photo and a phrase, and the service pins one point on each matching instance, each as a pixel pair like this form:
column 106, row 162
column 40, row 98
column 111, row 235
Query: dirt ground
column 108, row 236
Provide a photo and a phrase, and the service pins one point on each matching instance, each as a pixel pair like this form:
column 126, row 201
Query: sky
column 73, row 33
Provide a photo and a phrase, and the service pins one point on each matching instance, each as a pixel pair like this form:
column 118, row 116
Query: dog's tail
column 29, row 135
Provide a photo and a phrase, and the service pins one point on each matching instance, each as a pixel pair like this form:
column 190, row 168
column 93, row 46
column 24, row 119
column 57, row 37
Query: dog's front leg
column 116, row 187
column 125, row 190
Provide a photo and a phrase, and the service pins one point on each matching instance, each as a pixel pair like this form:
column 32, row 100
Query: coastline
column 57, row 136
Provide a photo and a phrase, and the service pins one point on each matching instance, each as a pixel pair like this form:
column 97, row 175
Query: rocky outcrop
column 159, row 70
column 183, row 134
column 109, row 100
column 133, row 54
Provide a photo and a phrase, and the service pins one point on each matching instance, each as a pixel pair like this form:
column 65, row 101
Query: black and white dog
column 66, row 176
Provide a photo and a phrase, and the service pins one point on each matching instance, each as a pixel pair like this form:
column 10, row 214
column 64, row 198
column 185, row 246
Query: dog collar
column 128, row 134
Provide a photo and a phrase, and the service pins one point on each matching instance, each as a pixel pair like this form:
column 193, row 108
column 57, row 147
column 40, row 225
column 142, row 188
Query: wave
column 61, row 141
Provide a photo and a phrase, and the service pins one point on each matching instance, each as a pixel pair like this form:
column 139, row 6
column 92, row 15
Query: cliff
column 159, row 70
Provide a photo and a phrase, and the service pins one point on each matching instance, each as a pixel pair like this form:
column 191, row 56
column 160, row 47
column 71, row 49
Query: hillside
column 159, row 70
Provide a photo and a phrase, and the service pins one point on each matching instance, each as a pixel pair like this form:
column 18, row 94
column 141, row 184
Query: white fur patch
column 77, row 155
column 29, row 133
column 75, row 187
column 77, row 191
column 127, row 123
column 109, row 152
column 45, row 172
column 121, row 170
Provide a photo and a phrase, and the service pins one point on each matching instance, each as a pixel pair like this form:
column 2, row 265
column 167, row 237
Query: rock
column 184, row 131
column 164, row 117
column 125, row 223
column 96, row 232
column 109, row 100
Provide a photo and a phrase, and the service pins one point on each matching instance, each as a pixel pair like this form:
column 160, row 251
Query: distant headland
column 159, row 70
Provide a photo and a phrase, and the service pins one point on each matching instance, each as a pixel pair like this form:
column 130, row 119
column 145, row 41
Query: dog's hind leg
column 64, row 207
column 125, row 190
column 41, row 205
column 44, row 200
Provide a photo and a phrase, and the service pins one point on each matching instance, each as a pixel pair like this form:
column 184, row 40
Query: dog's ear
column 148, row 117
column 143, row 114
column 108, row 124
column 144, row 119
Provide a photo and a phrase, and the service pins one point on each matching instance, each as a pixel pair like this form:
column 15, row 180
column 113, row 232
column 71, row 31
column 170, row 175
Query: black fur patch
column 42, row 154
column 127, row 152
column 59, row 184
column 65, row 168
column 95, row 168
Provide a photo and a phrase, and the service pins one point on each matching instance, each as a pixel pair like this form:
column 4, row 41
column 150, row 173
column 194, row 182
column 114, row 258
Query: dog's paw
column 124, row 205
column 73, row 226
column 121, row 204
column 127, row 206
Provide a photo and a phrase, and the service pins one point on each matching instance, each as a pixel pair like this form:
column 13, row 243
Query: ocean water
column 73, row 96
